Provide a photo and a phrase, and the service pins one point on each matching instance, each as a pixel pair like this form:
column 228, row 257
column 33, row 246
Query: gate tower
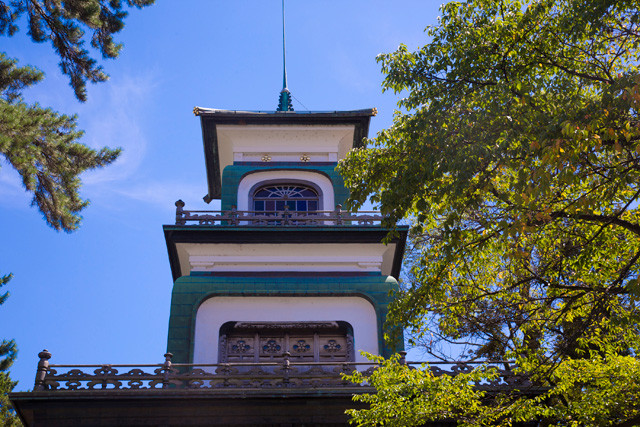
column 281, row 268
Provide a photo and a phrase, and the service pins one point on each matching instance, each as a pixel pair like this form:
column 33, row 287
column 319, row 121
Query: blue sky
column 102, row 294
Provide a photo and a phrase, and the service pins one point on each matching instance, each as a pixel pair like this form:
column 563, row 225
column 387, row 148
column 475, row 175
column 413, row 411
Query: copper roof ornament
column 284, row 103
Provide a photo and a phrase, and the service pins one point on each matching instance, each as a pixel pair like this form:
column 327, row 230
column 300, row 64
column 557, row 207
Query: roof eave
column 210, row 118
column 175, row 234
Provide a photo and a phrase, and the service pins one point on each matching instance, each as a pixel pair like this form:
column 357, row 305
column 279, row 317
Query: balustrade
column 286, row 217
column 283, row 374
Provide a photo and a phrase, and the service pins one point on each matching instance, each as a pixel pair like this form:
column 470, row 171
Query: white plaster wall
column 309, row 257
column 283, row 142
column 327, row 199
column 355, row 257
column 216, row 311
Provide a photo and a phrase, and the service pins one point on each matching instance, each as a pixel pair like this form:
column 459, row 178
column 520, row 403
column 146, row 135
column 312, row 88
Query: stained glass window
column 274, row 198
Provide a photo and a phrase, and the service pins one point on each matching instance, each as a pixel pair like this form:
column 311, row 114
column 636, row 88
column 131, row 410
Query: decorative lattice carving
column 240, row 347
column 332, row 346
column 272, row 347
column 349, row 348
column 301, row 347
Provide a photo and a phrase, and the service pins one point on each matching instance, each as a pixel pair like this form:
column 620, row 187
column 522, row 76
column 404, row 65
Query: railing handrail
column 281, row 373
column 233, row 364
column 283, row 217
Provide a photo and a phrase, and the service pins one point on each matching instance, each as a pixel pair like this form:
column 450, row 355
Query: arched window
column 274, row 197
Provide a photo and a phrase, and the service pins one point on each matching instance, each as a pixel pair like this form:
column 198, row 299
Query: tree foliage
column 8, row 417
column 8, row 353
column 516, row 156
column 64, row 23
column 402, row 394
column 41, row 144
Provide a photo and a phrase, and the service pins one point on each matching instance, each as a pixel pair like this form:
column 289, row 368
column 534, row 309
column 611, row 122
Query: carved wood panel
column 312, row 342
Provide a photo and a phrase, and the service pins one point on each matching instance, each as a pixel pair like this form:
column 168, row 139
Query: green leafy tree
column 516, row 156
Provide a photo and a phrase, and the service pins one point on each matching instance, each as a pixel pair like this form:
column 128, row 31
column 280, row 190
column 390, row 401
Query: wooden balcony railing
column 285, row 217
column 284, row 374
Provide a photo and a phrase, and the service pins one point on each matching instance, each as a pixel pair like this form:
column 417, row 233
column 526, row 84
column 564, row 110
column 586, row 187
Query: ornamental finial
column 284, row 103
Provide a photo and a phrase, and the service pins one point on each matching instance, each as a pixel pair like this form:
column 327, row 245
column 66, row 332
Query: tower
column 274, row 296
column 281, row 268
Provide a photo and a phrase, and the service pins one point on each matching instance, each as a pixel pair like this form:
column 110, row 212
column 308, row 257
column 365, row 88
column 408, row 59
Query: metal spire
column 284, row 52
column 284, row 103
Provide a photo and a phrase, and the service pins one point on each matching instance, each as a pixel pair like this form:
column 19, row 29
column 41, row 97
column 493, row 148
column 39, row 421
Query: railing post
column 286, row 367
column 43, row 369
column 286, row 215
column 339, row 220
column 166, row 370
column 346, row 370
column 403, row 358
column 103, row 373
column 179, row 213
column 226, row 371
column 234, row 215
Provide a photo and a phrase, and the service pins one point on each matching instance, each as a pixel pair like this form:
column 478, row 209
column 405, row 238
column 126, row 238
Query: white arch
column 214, row 312
column 327, row 199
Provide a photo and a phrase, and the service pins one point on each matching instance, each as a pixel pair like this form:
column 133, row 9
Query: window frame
column 285, row 182
column 310, row 203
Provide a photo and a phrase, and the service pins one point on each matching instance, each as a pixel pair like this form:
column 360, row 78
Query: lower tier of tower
column 254, row 317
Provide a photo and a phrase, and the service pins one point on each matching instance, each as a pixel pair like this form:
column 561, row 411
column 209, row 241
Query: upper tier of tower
column 277, row 139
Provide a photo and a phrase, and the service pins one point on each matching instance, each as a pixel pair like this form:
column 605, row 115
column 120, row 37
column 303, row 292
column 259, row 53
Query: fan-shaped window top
column 274, row 198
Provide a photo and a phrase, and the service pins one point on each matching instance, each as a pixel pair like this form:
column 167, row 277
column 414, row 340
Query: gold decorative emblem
column 305, row 158
column 266, row 158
